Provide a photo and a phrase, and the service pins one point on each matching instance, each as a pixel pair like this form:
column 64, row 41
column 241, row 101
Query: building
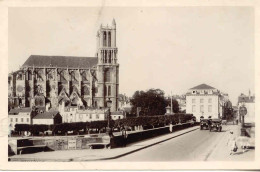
column 118, row 115
column 19, row 116
column 47, row 118
column 204, row 100
column 249, row 102
column 76, row 81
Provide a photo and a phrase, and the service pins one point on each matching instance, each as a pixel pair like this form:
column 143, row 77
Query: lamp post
column 109, row 104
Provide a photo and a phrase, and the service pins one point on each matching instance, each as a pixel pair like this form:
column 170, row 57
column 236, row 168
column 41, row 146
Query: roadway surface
column 199, row 145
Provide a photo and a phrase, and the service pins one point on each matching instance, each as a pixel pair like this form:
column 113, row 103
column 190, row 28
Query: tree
column 228, row 111
column 152, row 102
column 175, row 105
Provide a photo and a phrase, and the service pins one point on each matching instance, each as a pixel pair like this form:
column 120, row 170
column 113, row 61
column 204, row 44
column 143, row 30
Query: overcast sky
column 172, row 48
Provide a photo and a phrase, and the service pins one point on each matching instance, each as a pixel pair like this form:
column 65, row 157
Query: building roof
column 60, row 61
column 46, row 115
column 202, row 87
column 246, row 99
column 18, row 110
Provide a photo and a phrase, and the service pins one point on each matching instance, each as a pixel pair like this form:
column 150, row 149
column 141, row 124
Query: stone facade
column 76, row 81
column 204, row 100
column 19, row 116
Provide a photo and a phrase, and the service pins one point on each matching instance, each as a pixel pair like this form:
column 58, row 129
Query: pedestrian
column 125, row 135
column 170, row 127
column 232, row 143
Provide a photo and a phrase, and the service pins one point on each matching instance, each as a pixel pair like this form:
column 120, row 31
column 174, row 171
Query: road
column 200, row 145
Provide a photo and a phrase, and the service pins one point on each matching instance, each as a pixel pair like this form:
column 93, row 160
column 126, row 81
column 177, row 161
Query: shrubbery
column 153, row 121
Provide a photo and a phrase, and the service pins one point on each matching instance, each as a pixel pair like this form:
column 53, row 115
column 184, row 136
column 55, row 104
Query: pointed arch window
column 109, row 90
column 109, row 39
column 109, row 57
column 105, row 90
column 105, row 56
column 104, row 39
column 107, row 76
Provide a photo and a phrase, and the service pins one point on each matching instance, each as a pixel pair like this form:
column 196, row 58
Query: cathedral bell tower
column 107, row 67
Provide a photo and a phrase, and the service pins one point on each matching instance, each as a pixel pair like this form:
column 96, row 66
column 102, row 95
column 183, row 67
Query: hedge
column 130, row 122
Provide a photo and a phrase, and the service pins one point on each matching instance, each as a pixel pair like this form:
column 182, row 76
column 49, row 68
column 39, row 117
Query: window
column 109, row 57
column 109, row 90
column 80, row 116
column 201, row 108
column 27, row 119
column 11, row 119
column 16, row 119
column 210, row 100
column 97, row 116
column 109, row 39
column 193, row 108
column 21, row 119
column 193, row 100
column 107, row 76
column 90, row 116
column 193, row 92
column 210, row 108
column 104, row 39
column 201, row 100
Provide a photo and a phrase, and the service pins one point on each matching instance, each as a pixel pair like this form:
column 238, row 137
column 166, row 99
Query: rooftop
column 46, row 115
column 60, row 61
column 246, row 99
column 15, row 111
column 202, row 87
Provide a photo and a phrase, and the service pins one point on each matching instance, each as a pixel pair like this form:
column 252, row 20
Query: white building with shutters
column 204, row 100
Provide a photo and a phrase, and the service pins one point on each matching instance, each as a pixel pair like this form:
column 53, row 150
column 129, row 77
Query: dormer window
column 193, row 92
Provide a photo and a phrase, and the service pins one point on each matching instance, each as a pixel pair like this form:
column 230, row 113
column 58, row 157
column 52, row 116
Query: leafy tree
column 152, row 102
column 228, row 111
column 175, row 105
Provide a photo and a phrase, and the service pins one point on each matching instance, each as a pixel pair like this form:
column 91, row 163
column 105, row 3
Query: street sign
column 242, row 110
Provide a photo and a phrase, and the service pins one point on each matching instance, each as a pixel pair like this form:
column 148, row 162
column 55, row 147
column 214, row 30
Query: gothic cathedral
column 87, row 82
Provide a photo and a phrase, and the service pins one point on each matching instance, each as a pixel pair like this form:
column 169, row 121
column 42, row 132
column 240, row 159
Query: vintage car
column 204, row 123
column 215, row 124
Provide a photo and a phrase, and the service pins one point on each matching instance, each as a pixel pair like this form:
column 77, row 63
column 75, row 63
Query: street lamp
column 109, row 104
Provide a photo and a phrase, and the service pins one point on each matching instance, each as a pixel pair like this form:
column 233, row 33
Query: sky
column 170, row 48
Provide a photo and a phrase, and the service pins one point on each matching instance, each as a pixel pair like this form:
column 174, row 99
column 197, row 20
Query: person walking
column 232, row 143
column 125, row 135
column 170, row 127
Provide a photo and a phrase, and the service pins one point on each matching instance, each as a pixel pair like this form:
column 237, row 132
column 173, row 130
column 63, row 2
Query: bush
column 22, row 127
column 146, row 121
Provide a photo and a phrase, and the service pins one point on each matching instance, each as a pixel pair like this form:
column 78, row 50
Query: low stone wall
column 118, row 141
column 56, row 143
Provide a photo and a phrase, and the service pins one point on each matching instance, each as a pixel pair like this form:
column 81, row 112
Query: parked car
column 204, row 124
column 215, row 124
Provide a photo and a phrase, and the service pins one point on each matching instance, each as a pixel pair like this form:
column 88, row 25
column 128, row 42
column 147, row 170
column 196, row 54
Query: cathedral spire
column 114, row 23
